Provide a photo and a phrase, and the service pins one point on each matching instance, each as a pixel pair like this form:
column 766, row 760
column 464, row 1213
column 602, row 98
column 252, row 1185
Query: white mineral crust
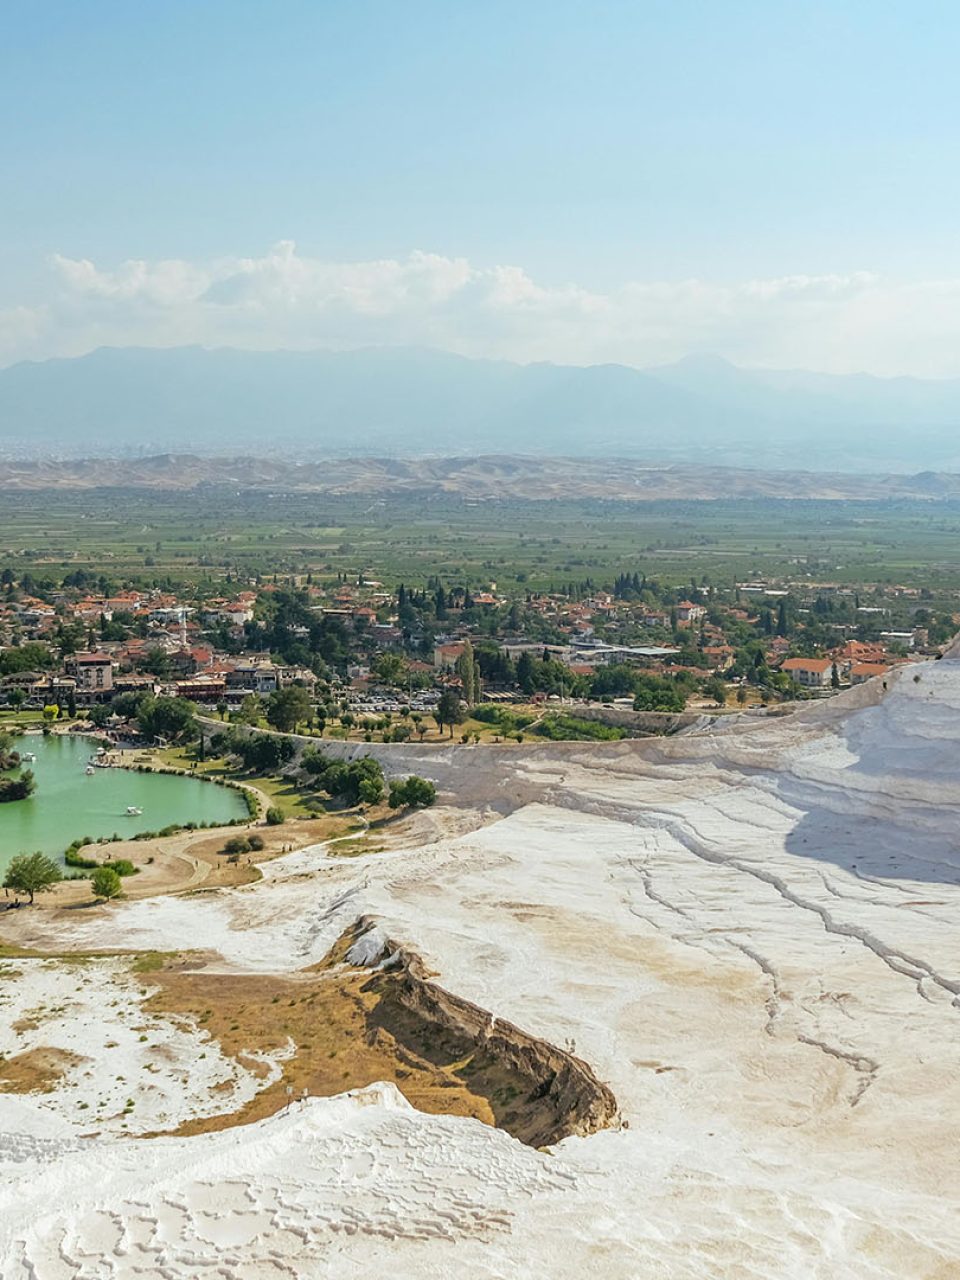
column 750, row 933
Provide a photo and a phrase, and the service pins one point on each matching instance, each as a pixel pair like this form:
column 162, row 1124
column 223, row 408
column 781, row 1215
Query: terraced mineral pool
column 69, row 803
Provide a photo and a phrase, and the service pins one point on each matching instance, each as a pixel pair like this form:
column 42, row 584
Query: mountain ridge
column 415, row 400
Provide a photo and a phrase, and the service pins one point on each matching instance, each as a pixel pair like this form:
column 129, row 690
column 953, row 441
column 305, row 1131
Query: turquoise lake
column 69, row 803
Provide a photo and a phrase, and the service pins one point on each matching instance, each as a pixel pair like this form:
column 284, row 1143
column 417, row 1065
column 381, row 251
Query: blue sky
column 601, row 150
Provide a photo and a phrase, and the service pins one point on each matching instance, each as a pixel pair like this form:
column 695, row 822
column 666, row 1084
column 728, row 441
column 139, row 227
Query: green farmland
column 201, row 536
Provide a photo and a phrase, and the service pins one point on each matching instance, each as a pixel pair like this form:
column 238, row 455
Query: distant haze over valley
column 392, row 401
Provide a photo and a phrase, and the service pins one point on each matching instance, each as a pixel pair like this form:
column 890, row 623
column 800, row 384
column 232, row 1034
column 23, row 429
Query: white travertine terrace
column 750, row 933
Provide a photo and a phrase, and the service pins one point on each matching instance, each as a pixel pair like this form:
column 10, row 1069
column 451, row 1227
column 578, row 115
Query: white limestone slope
column 751, row 934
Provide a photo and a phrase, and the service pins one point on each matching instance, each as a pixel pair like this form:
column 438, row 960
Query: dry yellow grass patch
column 36, row 1070
column 350, row 1027
column 347, row 1032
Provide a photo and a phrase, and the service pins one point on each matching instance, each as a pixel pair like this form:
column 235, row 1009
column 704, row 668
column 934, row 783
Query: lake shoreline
column 77, row 798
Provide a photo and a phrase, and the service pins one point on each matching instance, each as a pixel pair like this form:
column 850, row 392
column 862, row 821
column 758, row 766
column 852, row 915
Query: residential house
column 445, row 655
column 860, row 672
column 811, row 673
column 687, row 611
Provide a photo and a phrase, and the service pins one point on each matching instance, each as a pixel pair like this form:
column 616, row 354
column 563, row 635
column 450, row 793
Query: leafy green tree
column 263, row 752
column 391, row 668
column 274, row 817
column 18, row 788
column 127, row 705
column 657, row 693
column 105, row 883
column 287, row 707
column 99, row 714
column 170, row 718
column 50, row 713
column 413, row 793
column 614, row 681
column 314, row 761
column 16, row 698
column 344, row 781
column 526, row 677
column 717, row 690
column 370, row 790
column 449, row 710
column 32, row 873
column 251, row 710
column 157, row 661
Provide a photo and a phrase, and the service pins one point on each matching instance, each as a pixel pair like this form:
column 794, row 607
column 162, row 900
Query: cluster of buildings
column 166, row 649
column 152, row 640
column 853, row 662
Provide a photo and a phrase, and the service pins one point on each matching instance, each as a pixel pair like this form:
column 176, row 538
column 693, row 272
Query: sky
column 773, row 182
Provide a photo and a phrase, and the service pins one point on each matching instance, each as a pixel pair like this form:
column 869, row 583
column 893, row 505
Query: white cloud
column 837, row 322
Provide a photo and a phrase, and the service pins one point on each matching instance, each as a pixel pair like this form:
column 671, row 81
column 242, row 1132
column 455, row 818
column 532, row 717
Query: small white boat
column 133, row 811
column 90, row 771
column 27, row 757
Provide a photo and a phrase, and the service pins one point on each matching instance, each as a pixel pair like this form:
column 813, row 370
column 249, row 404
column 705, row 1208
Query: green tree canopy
column 105, row 883
column 32, row 873
column 449, row 710
column 412, row 792
column 170, row 718
column 287, row 707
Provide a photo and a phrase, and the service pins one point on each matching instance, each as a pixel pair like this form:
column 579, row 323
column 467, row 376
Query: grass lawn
column 291, row 802
column 23, row 719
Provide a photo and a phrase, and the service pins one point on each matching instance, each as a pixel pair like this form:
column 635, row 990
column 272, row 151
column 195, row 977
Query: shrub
column 74, row 859
column 236, row 844
column 255, row 842
column 564, row 728
column 122, row 866
column 274, row 816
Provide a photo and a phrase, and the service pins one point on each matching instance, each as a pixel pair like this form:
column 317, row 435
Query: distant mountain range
column 488, row 478
column 411, row 401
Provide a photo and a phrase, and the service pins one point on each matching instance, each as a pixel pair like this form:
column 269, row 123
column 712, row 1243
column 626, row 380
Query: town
column 387, row 662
